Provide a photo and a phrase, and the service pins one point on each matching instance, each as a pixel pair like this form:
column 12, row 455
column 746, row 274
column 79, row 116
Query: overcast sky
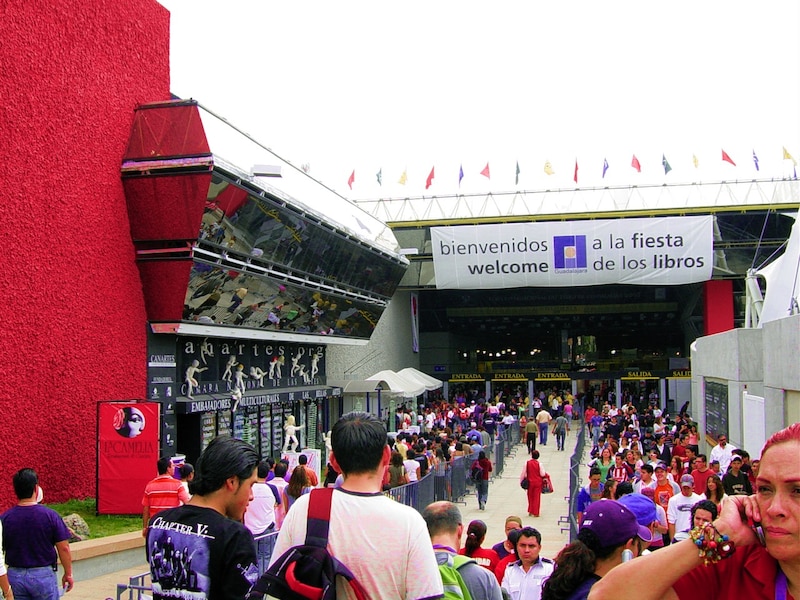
column 390, row 86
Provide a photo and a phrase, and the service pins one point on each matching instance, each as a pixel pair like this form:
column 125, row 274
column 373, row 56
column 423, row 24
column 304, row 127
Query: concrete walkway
column 506, row 498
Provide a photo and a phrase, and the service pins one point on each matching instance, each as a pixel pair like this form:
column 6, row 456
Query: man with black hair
column 735, row 481
column 260, row 515
column 446, row 527
column 384, row 543
column 34, row 538
column 162, row 492
column 591, row 493
column 524, row 577
column 217, row 557
column 302, row 463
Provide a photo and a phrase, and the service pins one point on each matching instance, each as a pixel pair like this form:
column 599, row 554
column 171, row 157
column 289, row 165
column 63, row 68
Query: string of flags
column 548, row 169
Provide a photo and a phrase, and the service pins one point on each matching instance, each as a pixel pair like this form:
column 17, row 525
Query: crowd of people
column 690, row 522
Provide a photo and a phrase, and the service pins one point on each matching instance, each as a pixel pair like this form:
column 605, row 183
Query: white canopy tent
column 400, row 384
column 429, row 382
column 363, row 386
column 783, row 280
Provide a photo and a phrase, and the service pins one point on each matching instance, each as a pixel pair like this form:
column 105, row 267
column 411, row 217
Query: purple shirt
column 30, row 534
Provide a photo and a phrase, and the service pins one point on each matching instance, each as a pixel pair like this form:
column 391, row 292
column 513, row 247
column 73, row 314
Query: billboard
column 127, row 451
column 646, row 251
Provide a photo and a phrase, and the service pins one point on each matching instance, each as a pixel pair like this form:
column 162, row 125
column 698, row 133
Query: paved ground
column 505, row 498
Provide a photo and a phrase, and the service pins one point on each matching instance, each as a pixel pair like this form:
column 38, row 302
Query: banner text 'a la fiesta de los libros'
column 647, row 251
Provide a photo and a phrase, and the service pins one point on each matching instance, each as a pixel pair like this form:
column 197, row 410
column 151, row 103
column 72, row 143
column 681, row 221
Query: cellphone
column 759, row 531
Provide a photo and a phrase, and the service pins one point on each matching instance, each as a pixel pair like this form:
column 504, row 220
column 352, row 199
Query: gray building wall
column 762, row 361
column 388, row 348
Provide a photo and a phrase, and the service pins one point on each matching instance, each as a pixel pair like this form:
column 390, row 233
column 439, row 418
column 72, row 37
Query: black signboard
column 716, row 409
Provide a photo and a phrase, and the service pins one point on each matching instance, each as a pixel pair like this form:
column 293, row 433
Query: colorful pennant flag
column 695, row 162
column 548, row 168
column 575, row 176
column 485, row 171
column 403, row 177
column 605, row 167
column 664, row 162
column 460, row 174
column 429, row 180
column 727, row 158
column 787, row 156
column 379, row 175
column 635, row 164
column 351, row 179
column 516, row 181
column 755, row 160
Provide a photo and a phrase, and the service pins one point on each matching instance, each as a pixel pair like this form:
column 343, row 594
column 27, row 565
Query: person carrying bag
column 534, row 473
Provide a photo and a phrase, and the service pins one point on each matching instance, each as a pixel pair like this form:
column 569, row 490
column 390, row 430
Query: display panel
column 716, row 409
column 209, row 428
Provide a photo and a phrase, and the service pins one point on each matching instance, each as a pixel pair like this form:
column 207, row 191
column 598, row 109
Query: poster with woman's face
column 129, row 422
column 127, row 451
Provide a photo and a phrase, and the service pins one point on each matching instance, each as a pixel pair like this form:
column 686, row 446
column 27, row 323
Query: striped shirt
column 164, row 492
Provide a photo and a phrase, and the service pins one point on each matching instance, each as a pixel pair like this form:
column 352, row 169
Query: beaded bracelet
column 712, row 544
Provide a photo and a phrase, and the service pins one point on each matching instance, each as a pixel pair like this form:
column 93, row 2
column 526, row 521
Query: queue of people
column 729, row 543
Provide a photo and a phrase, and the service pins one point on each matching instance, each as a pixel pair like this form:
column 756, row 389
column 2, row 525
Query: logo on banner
column 570, row 253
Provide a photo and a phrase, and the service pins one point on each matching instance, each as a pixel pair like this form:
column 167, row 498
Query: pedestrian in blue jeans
column 543, row 418
column 35, row 538
column 482, row 485
column 560, row 428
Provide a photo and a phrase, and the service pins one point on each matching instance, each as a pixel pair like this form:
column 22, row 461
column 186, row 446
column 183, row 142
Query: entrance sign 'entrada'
column 657, row 251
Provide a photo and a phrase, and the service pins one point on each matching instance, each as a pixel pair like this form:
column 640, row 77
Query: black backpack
column 476, row 474
column 308, row 571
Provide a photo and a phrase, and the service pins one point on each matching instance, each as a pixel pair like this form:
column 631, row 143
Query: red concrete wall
column 73, row 320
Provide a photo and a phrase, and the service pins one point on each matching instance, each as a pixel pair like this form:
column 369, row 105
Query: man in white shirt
column 679, row 509
column 260, row 515
column 722, row 452
column 389, row 551
column 524, row 577
column 645, row 480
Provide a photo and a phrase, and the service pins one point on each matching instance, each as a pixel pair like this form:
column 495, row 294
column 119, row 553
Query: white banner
column 647, row 251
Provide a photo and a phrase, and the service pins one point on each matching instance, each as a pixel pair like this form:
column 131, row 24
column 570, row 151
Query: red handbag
column 547, row 484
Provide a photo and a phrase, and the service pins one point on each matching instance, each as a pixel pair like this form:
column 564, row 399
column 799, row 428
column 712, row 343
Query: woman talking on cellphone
column 735, row 564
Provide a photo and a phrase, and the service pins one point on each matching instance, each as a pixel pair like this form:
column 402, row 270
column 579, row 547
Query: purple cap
column 642, row 507
column 613, row 523
column 687, row 480
column 660, row 465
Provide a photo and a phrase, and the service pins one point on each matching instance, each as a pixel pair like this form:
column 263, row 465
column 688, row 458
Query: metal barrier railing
column 136, row 587
column 575, row 481
column 446, row 481
column 265, row 544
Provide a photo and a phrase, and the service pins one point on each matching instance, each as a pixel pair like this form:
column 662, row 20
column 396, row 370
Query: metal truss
column 586, row 202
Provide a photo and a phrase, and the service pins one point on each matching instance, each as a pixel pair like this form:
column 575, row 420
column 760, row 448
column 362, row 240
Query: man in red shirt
column 162, row 492
column 701, row 474
column 679, row 447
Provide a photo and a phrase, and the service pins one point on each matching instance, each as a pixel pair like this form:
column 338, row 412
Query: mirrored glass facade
column 259, row 263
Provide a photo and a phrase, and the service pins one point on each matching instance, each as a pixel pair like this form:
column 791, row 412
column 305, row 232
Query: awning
column 430, row 383
column 403, row 386
column 361, row 386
